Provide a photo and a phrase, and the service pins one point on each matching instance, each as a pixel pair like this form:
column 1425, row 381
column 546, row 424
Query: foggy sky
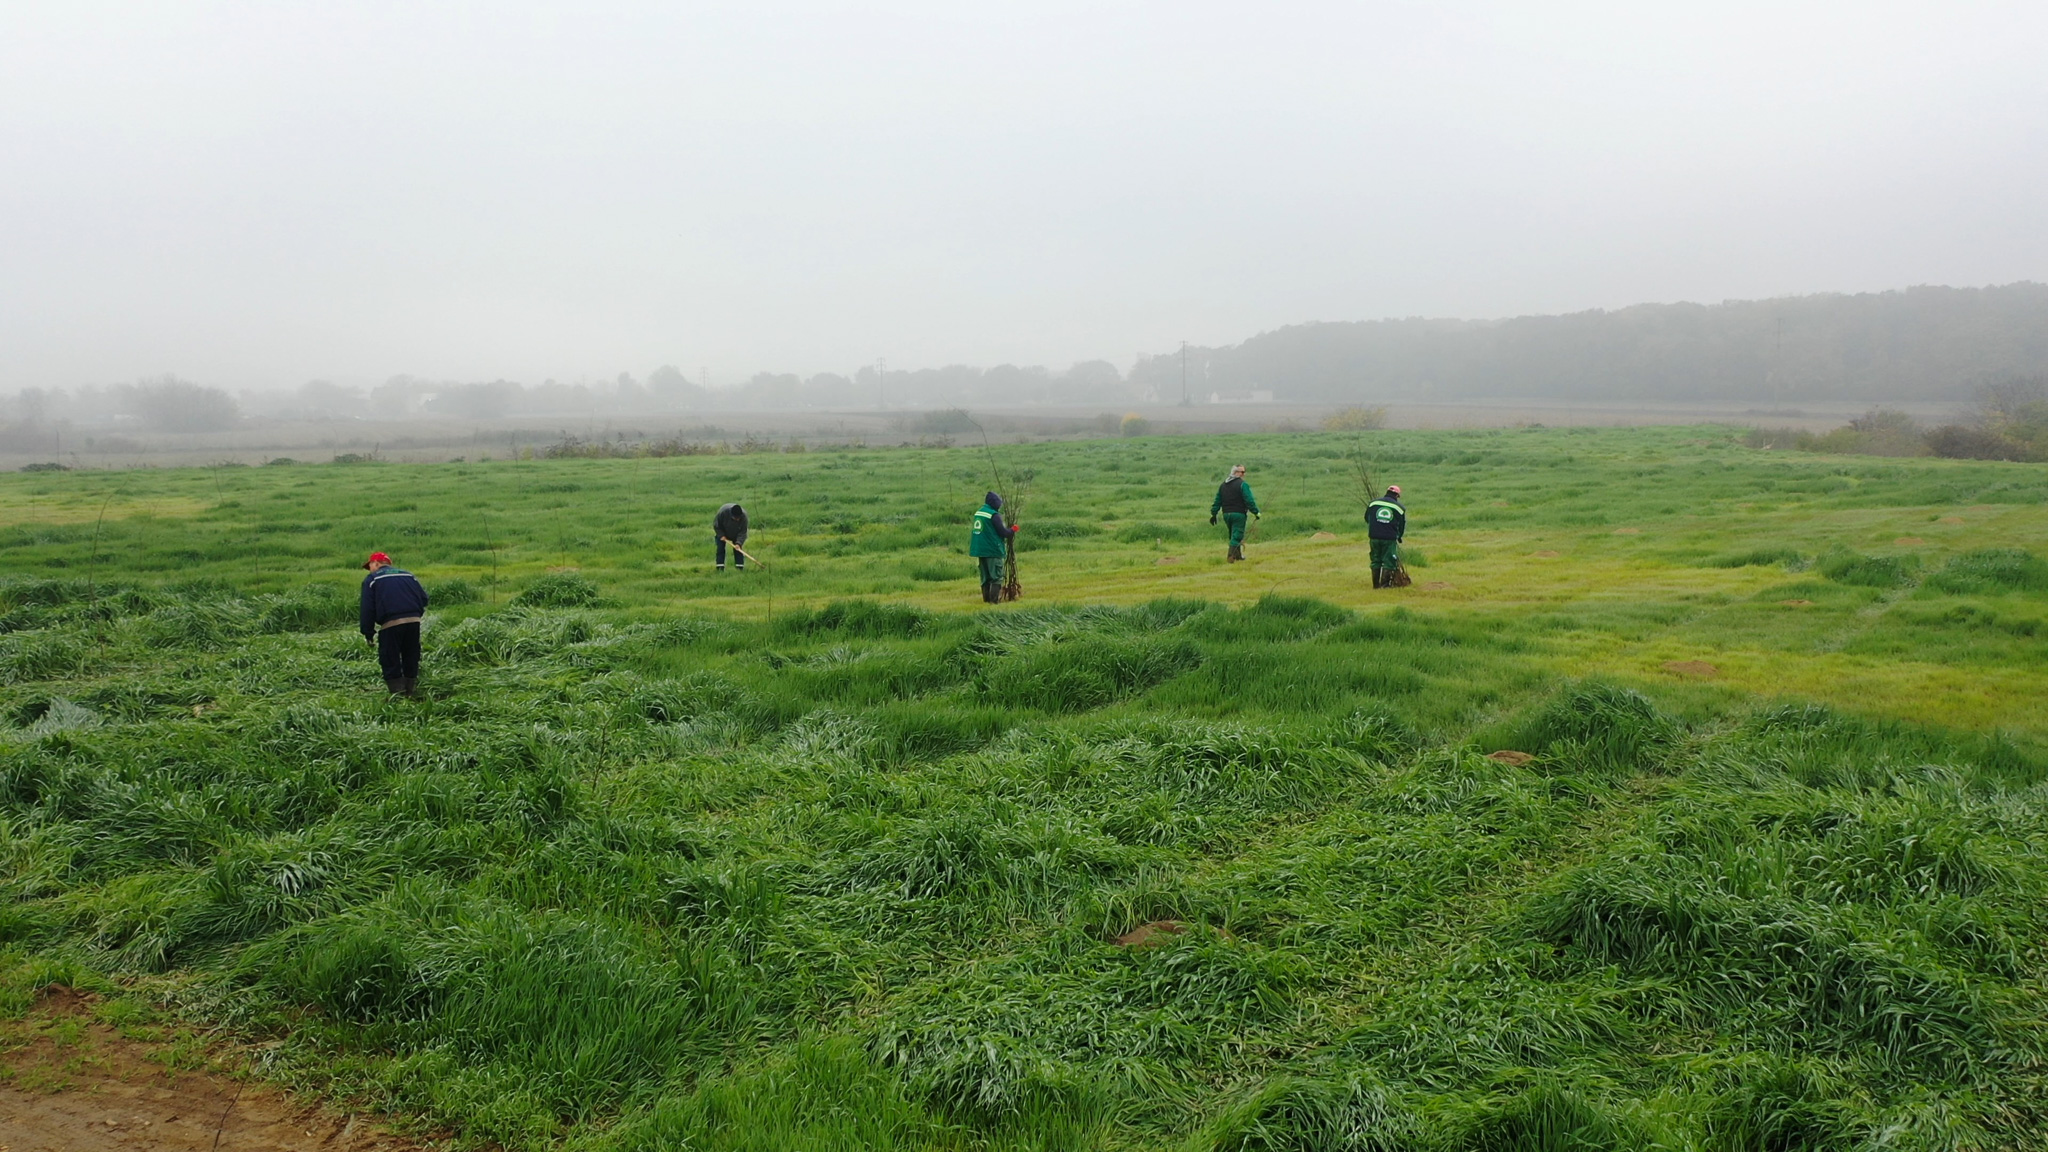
column 252, row 195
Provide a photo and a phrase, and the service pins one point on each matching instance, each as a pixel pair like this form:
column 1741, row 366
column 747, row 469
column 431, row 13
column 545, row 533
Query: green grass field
column 831, row 855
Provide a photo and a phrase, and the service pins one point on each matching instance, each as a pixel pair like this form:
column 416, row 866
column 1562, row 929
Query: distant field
column 1611, row 551
column 832, row 855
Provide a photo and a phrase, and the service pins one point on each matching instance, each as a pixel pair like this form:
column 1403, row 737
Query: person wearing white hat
column 1234, row 500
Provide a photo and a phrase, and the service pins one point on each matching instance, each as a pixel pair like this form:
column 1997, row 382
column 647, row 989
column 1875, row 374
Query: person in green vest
column 988, row 542
column 1386, row 522
column 1234, row 499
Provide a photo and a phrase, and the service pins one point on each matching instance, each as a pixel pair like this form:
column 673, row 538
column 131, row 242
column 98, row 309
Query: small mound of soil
column 1510, row 756
column 1437, row 586
column 1795, row 603
column 1544, row 555
column 1909, row 541
column 1151, row 935
column 1324, row 536
column 1950, row 520
column 1167, row 560
column 1691, row 668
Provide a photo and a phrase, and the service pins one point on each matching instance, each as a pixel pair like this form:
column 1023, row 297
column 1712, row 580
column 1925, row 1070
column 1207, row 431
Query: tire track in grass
column 1869, row 616
column 1483, row 910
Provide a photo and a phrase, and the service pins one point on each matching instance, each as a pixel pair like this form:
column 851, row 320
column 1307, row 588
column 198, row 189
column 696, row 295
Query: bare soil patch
column 1151, row 935
column 72, row 1083
column 1796, row 603
column 1909, row 541
column 1324, row 536
column 1167, row 560
column 1510, row 756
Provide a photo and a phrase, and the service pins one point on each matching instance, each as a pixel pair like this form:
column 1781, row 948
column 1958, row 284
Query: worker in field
column 988, row 542
column 1386, row 522
column 393, row 603
column 1234, row 500
column 730, row 526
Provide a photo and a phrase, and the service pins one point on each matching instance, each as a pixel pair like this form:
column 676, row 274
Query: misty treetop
column 1927, row 343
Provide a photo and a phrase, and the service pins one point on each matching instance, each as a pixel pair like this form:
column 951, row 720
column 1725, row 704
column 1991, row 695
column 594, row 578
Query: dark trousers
column 739, row 558
column 398, row 650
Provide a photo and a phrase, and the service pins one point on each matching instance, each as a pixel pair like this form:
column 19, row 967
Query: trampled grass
column 830, row 855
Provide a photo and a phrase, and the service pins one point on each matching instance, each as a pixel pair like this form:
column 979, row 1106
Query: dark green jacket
column 989, row 534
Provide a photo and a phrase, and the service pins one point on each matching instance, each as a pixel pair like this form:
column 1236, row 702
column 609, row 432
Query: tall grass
column 841, row 871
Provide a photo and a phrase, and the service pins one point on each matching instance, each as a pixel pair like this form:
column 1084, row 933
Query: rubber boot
column 1236, row 553
column 411, row 688
column 721, row 567
column 395, row 685
column 1379, row 578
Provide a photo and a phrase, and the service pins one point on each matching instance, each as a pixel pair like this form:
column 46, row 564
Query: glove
column 1255, row 515
column 1212, row 517
column 1016, row 528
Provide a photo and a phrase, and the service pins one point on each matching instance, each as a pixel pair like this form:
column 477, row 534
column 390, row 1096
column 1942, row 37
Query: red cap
column 377, row 558
column 1394, row 488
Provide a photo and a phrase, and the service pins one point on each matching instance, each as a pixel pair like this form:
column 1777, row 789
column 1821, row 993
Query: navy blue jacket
column 390, row 594
column 1385, row 519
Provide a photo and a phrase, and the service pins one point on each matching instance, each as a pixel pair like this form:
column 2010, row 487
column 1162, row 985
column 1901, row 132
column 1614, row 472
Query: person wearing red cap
column 393, row 605
column 1386, row 522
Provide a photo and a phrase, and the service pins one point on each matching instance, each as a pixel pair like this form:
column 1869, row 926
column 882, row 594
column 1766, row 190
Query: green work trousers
column 1235, row 521
column 991, row 569
column 1386, row 554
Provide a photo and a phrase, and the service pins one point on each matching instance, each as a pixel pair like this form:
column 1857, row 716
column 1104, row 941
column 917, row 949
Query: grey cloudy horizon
column 253, row 195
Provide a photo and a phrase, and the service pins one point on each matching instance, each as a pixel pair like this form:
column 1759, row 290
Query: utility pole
column 882, row 382
column 1777, row 374
column 1183, row 373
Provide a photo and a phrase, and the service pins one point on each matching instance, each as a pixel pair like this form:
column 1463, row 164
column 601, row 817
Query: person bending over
column 393, row 603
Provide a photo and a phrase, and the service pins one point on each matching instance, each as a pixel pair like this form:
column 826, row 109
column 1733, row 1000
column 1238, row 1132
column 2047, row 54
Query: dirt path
column 70, row 1083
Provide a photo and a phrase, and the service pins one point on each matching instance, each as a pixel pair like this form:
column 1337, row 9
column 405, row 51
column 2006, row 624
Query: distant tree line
column 30, row 420
column 1916, row 344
